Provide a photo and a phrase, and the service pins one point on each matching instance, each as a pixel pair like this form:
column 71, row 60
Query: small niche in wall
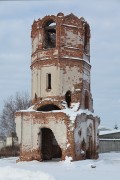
column 48, row 81
column 86, row 35
column 79, row 132
column 86, row 100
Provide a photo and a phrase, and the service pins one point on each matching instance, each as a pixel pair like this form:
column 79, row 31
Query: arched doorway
column 49, row 146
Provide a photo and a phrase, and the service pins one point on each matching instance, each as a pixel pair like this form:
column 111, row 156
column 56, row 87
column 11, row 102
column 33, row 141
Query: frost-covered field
column 106, row 167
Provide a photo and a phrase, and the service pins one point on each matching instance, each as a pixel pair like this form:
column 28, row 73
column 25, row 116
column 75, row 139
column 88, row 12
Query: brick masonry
column 60, row 48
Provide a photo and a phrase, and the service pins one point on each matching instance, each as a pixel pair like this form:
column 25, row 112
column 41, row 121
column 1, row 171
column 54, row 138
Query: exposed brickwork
column 40, row 118
column 61, row 48
column 30, row 155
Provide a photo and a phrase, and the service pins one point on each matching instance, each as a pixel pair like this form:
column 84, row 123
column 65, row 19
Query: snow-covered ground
column 106, row 167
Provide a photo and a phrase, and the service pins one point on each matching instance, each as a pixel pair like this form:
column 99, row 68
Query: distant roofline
column 109, row 132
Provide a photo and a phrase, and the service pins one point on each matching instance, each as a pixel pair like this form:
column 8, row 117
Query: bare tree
column 11, row 105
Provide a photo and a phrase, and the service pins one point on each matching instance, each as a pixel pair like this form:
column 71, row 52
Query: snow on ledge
column 70, row 47
column 72, row 112
column 69, row 25
column 76, row 58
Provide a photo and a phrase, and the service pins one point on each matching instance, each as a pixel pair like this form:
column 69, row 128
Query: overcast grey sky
column 16, row 18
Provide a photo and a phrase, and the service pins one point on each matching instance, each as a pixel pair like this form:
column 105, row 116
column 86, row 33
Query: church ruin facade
column 61, row 122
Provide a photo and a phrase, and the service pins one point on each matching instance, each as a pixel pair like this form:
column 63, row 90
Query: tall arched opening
column 49, row 34
column 86, row 101
column 49, row 145
column 89, row 143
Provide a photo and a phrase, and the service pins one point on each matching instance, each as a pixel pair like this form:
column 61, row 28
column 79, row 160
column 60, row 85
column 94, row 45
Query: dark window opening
column 50, row 148
column 48, row 107
column 86, row 35
column 48, row 81
column 86, row 101
column 79, row 132
column 68, row 98
column 83, row 145
column 49, row 35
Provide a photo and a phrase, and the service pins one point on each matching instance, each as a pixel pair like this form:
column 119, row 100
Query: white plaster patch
column 71, row 37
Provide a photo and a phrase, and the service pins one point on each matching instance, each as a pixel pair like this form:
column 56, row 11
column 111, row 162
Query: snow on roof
column 72, row 112
column 103, row 128
column 109, row 139
column 109, row 132
column 27, row 110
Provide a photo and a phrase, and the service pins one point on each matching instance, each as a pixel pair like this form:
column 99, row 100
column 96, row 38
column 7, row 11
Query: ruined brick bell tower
column 61, row 121
column 61, row 59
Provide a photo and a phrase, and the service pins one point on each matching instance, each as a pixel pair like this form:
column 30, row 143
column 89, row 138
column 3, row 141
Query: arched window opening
column 49, row 145
column 86, row 101
column 68, row 98
column 49, row 35
column 48, row 107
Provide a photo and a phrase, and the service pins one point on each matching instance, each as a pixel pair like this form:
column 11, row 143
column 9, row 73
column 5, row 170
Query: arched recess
column 86, row 35
column 48, row 107
column 49, row 35
column 86, row 101
column 49, row 145
column 89, row 143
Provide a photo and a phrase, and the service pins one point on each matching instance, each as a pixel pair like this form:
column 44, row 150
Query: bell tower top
column 60, row 31
column 61, row 59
